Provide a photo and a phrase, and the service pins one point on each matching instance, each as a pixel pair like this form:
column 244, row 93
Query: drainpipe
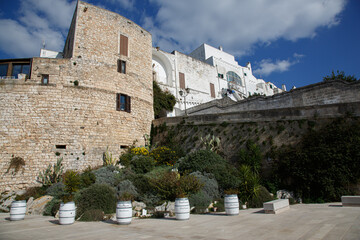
column 217, row 71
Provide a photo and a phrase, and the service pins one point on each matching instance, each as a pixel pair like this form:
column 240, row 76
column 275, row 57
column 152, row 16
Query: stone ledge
column 350, row 201
column 276, row 206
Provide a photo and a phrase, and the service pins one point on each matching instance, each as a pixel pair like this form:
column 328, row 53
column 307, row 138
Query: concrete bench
column 276, row 206
column 350, row 201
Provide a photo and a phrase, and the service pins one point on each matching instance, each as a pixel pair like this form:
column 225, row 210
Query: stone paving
column 302, row 221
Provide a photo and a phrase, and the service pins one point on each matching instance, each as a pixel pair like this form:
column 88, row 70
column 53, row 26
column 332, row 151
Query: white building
column 207, row 73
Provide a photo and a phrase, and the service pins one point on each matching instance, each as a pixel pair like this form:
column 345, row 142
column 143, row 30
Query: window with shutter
column 182, row 80
column 212, row 90
column 121, row 66
column 124, row 42
column 123, row 102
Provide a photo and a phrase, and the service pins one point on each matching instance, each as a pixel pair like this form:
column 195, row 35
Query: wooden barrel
column 182, row 209
column 67, row 213
column 17, row 210
column 231, row 204
column 124, row 212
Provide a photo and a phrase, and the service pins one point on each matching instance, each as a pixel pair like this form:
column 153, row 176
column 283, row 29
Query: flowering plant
column 164, row 156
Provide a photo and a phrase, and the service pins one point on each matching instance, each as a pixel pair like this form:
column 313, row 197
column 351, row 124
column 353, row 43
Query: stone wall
column 41, row 123
column 319, row 94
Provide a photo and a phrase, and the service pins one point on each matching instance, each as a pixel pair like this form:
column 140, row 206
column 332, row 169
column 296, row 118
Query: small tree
column 340, row 75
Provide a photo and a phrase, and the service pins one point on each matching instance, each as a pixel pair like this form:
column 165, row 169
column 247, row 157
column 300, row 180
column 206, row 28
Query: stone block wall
column 41, row 123
column 319, row 94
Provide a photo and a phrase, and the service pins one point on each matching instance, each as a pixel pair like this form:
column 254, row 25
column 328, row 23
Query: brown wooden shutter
column 123, row 45
column 212, row 90
column 118, row 101
column 128, row 104
column 182, row 80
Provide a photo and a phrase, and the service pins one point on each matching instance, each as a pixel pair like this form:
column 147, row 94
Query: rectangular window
column 123, row 102
column 45, row 79
column 124, row 41
column 182, row 80
column 20, row 68
column 121, row 66
column 3, row 69
column 212, row 90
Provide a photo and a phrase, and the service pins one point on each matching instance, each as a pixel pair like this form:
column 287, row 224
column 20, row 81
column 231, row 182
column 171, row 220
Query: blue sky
column 292, row 42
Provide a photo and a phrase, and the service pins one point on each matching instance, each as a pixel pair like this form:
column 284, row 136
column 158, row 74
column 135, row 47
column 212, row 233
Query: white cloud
column 125, row 4
column 38, row 21
column 20, row 42
column 268, row 66
column 238, row 25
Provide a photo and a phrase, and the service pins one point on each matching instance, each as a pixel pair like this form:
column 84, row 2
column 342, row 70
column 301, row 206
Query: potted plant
column 67, row 211
column 231, row 202
column 124, row 208
column 18, row 208
column 182, row 206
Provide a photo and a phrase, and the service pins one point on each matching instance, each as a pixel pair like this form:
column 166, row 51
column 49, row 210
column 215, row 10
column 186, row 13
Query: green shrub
column 125, row 159
column 171, row 185
column 258, row 200
column 150, row 199
column 87, row 178
column 225, row 175
column 324, row 164
column 200, row 160
column 188, row 185
column 200, row 201
column 166, row 185
column 126, row 186
column 158, row 171
column 210, row 185
column 142, row 164
column 92, row 215
column 97, row 196
column 52, row 207
column 107, row 175
column 210, row 162
column 56, row 190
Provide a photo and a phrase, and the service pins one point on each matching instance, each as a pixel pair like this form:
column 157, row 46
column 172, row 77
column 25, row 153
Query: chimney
column 283, row 87
column 220, row 48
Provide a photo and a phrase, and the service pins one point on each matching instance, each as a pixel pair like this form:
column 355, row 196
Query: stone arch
column 163, row 67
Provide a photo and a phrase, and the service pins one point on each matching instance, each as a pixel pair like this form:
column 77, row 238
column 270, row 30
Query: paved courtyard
column 302, row 221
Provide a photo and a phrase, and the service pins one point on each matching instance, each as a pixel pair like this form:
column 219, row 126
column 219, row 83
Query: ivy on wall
column 163, row 101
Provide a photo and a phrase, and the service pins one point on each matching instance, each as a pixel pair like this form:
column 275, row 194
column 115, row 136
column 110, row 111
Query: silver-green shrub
column 210, row 185
column 126, row 186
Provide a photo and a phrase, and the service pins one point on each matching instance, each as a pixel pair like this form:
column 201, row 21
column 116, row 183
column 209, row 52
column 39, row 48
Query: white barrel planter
column 17, row 210
column 67, row 213
column 231, row 204
column 123, row 212
column 182, row 209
